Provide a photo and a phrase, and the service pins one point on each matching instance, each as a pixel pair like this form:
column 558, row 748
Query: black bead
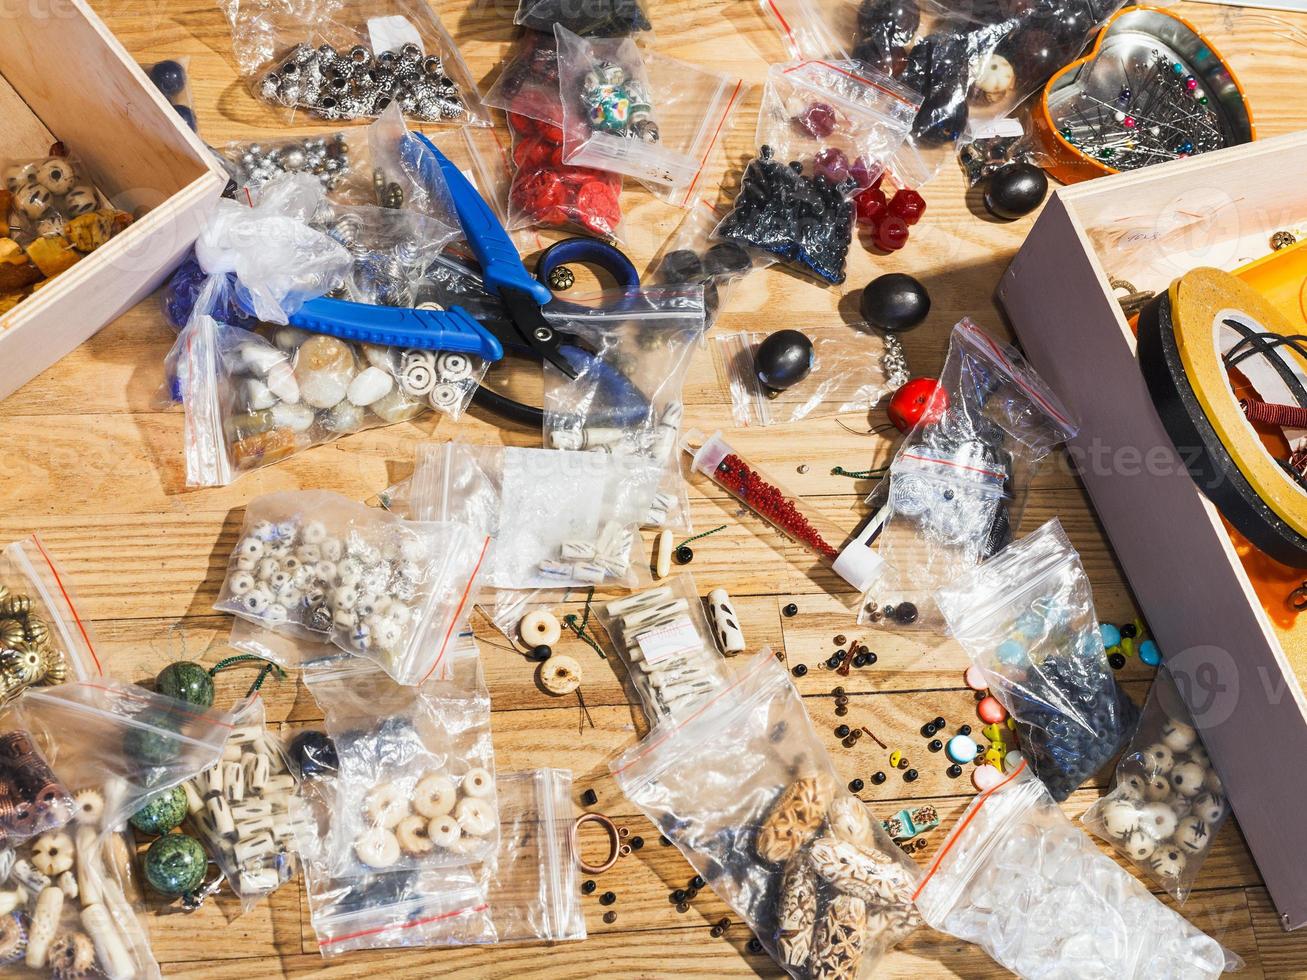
column 842, row 731
column 935, row 745
column 833, row 661
column 894, row 302
column 610, row 917
column 697, row 881
column 681, row 265
column 589, row 797
column 800, row 670
column 637, row 843
column 664, row 840
column 314, row 753
column 856, row 785
column 783, row 359
column 870, row 657
column 939, row 723
column 541, row 652
column 188, row 117
column 877, row 778
column 682, row 906
column 587, row 887
column 715, row 932
column 790, row 609
column 859, row 660
column 754, row 945
column 726, row 259
column 169, row 77
column 910, row 775
column 691, row 894
column 927, row 730
column 607, row 898
column 964, row 730
column 1015, row 190
column 1129, row 631
column 1116, row 660
column 954, row 771
column 678, row 895
column 683, row 555
column 905, row 613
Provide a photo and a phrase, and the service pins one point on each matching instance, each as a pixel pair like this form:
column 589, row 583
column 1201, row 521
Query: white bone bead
column 233, row 779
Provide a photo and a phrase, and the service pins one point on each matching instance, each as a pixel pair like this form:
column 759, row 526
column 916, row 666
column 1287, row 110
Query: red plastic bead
column 872, row 205
column 991, row 712
column 908, row 205
column 918, row 400
column 891, row 232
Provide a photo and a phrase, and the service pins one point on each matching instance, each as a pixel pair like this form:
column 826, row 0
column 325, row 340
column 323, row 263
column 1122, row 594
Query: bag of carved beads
column 44, row 637
column 1026, row 619
column 544, row 191
column 415, row 784
column 350, row 59
column 639, row 113
column 1017, row 878
column 742, row 785
column 825, row 132
column 817, row 372
column 667, row 646
column 626, row 398
column 1167, row 803
column 314, row 564
column 245, row 809
column 957, row 485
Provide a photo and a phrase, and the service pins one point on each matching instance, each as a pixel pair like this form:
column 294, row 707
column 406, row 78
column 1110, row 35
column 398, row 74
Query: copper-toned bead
column 16, row 745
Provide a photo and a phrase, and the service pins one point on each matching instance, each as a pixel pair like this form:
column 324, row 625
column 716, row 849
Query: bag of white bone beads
column 1167, row 803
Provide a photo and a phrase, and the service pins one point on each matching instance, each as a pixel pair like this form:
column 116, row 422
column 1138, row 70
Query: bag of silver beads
column 338, row 161
column 44, row 639
column 350, row 59
column 1167, row 803
column 742, row 785
column 318, row 565
column 825, row 132
column 626, row 400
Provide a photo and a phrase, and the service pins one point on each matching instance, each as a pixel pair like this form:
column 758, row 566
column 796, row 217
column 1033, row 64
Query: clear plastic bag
column 335, row 159
column 1167, row 803
column 172, row 78
column 957, row 485
column 1017, row 878
column 245, row 809
column 532, row 884
column 1026, row 619
column 626, row 399
column 825, row 132
column 639, row 113
column 852, row 369
column 44, row 636
column 667, row 645
column 691, row 256
column 89, row 918
column 350, row 59
column 415, row 784
column 314, row 564
column 589, row 18
column 544, row 191
column 35, row 800
column 743, row 787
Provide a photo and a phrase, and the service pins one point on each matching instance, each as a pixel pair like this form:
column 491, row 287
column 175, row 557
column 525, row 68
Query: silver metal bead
column 410, row 53
column 432, row 66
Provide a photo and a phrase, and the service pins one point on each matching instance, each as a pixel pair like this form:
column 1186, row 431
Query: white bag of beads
column 1017, row 878
column 1167, row 804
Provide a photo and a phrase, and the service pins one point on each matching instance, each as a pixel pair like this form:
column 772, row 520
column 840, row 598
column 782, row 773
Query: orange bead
column 991, row 711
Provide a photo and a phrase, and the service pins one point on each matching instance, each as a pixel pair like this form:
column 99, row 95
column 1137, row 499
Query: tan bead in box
column 52, row 255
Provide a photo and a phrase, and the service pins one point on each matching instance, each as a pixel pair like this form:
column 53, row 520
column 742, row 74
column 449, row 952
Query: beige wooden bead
column 45, row 923
column 115, row 959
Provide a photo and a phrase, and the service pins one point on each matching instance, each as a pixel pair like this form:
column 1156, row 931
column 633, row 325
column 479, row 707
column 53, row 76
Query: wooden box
column 1241, row 671
column 63, row 76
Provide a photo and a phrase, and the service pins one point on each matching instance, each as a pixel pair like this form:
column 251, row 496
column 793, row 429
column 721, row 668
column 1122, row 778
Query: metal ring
column 1298, row 598
column 614, row 843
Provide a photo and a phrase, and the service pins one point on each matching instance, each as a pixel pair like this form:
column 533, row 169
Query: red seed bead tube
column 764, row 496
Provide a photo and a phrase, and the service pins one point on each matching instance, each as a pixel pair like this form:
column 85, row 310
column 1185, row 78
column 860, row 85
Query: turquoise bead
column 1030, row 624
column 186, row 681
column 1110, row 634
column 961, row 749
column 161, row 813
column 1149, row 653
column 1011, row 652
column 175, row 864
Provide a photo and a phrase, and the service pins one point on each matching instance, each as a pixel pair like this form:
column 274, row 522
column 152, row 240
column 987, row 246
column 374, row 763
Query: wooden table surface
column 92, row 463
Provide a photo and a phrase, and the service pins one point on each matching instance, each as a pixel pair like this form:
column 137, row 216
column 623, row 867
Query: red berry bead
column 891, row 233
column 872, row 205
column 817, row 120
column 908, row 205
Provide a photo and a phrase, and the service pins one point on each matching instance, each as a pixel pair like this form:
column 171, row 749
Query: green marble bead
column 186, row 681
column 149, row 743
column 161, row 813
column 175, row 865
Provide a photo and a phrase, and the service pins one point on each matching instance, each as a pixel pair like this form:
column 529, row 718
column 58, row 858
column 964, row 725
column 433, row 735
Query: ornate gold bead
column 15, row 605
column 1283, row 239
column 21, row 666
column 38, row 633
column 11, row 633
column 56, row 666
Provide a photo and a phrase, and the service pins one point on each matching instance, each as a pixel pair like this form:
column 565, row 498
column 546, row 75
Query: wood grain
column 89, row 458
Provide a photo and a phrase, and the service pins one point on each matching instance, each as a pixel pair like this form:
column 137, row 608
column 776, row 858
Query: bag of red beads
column 825, row 132
column 546, row 192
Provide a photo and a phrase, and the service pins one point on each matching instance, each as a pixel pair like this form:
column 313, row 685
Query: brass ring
column 1298, row 598
column 614, row 842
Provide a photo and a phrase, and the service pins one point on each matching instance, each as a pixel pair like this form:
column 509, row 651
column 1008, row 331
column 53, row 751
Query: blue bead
column 169, row 77
column 961, row 749
column 1149, row 653
column 1110, row 634
column 1030, row 624
column 1011, row 652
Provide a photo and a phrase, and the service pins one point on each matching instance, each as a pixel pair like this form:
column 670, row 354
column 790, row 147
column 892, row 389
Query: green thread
column 720, row 527
column 248, row 658
column 570, row 622
column 859, row 474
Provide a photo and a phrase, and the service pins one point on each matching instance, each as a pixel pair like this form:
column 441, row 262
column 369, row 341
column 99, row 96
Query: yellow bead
column 895, row 758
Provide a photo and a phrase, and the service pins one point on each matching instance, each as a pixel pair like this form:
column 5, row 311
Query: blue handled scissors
column 525, row 331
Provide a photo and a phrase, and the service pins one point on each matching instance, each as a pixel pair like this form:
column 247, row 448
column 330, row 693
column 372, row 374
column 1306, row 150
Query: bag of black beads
column 691, row 256
column 588, row 18
column 957, row 485
column 1026, row 619
column 351, row 59
column 744, row 788
column 825, row 132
